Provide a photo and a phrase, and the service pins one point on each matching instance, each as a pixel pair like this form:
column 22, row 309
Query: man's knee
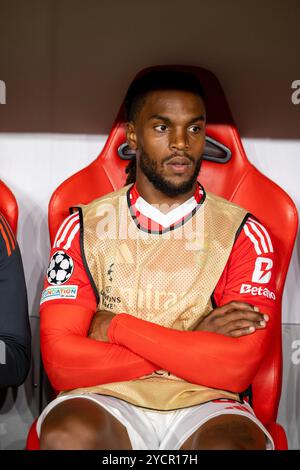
column 74, row 424
column 72, row 433
column 227, row 432
column 221, row 443
column 66, row 439
column 82, row 424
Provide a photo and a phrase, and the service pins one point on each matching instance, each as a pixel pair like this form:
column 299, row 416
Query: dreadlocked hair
column 131, row 171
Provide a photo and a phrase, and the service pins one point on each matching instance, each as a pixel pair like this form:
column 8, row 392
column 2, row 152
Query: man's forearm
column 199, row 357
column 73, row 362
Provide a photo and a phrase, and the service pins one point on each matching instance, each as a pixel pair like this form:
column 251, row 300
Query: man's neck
column 155, row 197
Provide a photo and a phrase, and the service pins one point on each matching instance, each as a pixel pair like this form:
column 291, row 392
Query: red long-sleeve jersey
column 140, row 347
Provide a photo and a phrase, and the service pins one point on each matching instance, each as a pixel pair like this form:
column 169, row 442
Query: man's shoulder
column 109, row 198
column 223, row 203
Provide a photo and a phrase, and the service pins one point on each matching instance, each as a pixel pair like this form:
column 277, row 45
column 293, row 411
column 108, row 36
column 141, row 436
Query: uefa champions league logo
column 2, row 92
column 60, row 268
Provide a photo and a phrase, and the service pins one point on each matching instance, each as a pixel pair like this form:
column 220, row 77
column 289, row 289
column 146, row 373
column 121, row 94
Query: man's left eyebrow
column 198, row 118
column 160, row 117
column 201, row 117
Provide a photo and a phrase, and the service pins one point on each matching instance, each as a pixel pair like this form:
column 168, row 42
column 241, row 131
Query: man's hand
column 99, row 325
column 234, row 319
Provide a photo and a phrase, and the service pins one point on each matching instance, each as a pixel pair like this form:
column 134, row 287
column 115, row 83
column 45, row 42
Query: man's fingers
column 243, row 327
column 235, row 305
column 249, row 315
column 242, row 332
column 234, row 319
column 243, row 324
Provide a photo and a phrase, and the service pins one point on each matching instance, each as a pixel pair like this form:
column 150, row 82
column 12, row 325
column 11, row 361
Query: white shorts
column 166, row 430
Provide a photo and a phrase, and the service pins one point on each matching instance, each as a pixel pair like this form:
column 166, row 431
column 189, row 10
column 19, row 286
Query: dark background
column 67, row 63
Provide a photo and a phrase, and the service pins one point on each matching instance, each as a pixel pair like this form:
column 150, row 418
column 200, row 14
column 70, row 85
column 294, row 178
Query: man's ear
column 131, row 135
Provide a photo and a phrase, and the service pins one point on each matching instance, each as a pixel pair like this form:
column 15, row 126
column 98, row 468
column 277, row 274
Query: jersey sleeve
column 199, row 356
column 15, row 335
column 66, row 280
column 250, row 273
column 68, row 304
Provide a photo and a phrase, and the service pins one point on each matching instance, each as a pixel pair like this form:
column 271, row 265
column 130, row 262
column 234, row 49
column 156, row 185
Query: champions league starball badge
column 60, row 268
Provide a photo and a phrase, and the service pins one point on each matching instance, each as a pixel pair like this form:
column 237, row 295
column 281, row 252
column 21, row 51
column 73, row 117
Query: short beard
column 149, row 168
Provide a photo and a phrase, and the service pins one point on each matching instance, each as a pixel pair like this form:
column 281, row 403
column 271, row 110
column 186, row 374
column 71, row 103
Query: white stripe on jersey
column 258, row 232
column 271, row 250
column 258, row 236
column 252, row 238
column 73, row 218
column 71, row 236
column 62, row 226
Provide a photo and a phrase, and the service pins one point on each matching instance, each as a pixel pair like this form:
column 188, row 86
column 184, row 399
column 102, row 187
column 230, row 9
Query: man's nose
column 178, row 140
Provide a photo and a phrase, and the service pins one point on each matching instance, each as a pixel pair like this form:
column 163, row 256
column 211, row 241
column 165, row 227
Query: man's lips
column 179, row 164
column 179, row 161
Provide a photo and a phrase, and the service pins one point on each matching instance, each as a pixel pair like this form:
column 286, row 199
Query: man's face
column 169, row 136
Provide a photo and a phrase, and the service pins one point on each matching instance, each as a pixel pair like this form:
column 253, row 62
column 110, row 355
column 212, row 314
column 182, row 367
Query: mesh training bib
column 165, row 278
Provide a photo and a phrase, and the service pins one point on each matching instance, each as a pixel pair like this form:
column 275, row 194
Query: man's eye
column 161, row 128
column 195, row 129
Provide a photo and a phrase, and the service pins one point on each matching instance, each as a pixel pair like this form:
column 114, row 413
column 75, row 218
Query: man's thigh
column 227, row 432
column 80, row 423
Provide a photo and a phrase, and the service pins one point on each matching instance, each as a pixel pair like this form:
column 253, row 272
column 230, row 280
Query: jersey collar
column 149, row 218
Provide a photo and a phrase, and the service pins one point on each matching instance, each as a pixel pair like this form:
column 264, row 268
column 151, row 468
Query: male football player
column 15, row 335
column 147, row 328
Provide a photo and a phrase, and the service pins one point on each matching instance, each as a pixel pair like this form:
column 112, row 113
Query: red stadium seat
column 227, row 172
column 9, row 206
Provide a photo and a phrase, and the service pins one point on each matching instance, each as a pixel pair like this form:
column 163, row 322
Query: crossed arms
column 137, row 347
